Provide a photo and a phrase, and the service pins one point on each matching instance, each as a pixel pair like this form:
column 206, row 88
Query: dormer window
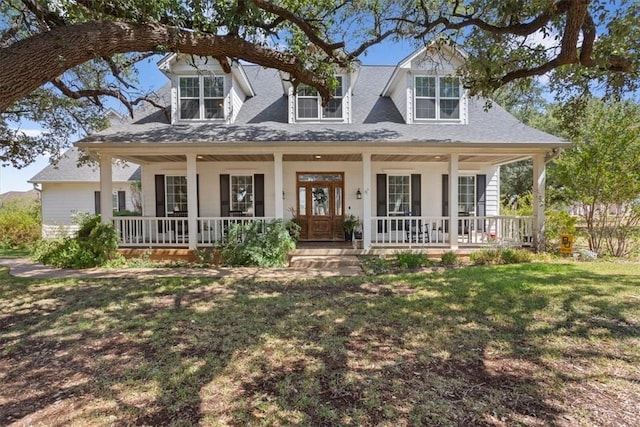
column 309, row 103
column 437, row 98
column 201, row 98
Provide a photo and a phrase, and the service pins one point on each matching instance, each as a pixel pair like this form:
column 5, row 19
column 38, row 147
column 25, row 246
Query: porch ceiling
column 322, row 157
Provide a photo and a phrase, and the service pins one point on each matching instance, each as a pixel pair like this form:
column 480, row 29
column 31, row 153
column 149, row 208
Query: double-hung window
column 466, row 194
column 242, row 194
column 437, row 98
column 309, row 103
column 398, row 194
column 176, row 187
column 201, row 97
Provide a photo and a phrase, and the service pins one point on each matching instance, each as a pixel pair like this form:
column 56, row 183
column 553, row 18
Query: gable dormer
column 202, row 91
column 305, row 104
column 425, row 88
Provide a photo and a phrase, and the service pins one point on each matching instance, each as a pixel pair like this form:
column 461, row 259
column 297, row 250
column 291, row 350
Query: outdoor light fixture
column 358, row 194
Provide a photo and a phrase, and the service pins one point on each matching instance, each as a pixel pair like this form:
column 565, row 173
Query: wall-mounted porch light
column 358, row 194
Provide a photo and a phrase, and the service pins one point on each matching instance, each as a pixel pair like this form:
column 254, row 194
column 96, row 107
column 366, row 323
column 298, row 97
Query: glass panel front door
column 320, row 206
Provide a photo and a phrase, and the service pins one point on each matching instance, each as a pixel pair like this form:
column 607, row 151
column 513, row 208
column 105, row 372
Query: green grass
column 13, row 253
column 530, row 344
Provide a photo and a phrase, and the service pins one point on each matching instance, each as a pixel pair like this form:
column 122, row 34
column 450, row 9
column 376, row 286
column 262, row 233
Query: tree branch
column 63, row 48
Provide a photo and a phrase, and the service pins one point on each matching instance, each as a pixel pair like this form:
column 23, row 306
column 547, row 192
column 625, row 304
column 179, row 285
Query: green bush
column 485, row 257
column 257, row 244
column 411, row 260
column 20, row 224
column 500, row 256
column 449, row 258
column 94, row 245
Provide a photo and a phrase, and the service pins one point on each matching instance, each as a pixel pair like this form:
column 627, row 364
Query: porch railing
column 417, row 231
column 174, row 231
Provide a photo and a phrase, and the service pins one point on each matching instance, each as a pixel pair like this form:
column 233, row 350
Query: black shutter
column 160, row 196
column 96, row 202
column 224, row 195
column 160, row 200
column 481, row 203
column 445, row 195
column 122, row 204
column 381, row 199
column 258, row 191
column 416, row 195
column 198, row 192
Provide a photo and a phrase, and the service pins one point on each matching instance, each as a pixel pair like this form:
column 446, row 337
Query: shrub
column 449, row 258
column 485, row 257
column 411, row 260
column 515, row 256
column 20, row 224
column 257, row 244
column 500, row 256
column 94, row 245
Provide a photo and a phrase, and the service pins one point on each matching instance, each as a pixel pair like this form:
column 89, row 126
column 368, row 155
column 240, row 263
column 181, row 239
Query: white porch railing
column 422, row 231
column 135, row 231
column 395, row 231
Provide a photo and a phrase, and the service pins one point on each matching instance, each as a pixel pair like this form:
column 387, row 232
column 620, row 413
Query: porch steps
column 324, row 261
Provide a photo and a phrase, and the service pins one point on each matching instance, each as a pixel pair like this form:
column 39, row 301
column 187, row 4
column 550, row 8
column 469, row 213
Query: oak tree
column 60, row 60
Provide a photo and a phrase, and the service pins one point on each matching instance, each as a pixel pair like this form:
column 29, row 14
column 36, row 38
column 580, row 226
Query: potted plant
column 350, row 224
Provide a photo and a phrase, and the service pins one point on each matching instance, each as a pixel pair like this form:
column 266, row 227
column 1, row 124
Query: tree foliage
column 600, row 174
column 60, row 60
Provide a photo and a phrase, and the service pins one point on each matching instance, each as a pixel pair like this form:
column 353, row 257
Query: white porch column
column 106, row 201
column 539, row 183
column 453, row 202
column 366, row 201
column 192, row 200
column 278, row 186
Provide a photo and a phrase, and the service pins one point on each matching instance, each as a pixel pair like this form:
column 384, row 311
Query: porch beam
column 278, row 186
column 539, row 184
column 453, row 201
column 106, row 203
column 192, row 200
column 366, row 201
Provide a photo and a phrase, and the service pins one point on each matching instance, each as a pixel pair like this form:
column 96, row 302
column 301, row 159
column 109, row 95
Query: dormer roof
column 170, row 65
column 427, row 54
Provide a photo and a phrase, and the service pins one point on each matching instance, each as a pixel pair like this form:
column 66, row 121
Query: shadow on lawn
column 463, row 348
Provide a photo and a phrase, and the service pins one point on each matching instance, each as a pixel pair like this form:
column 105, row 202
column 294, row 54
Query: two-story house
column 403, row 148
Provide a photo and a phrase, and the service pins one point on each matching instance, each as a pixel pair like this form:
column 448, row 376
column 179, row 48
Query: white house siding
column 61, row 200
column 400, row 96
column 236, row 99
column 209, row 183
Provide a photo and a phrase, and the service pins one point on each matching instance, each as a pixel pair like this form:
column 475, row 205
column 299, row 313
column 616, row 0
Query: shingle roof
column 68, row 170
column 374, row 119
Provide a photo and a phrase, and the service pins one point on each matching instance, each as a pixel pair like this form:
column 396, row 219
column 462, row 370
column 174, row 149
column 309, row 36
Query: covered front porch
column 418, row 218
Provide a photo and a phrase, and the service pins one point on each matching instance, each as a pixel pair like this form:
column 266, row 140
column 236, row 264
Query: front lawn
column 530, row 344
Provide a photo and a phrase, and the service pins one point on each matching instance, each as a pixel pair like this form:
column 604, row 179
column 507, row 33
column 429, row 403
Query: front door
column 320, row 205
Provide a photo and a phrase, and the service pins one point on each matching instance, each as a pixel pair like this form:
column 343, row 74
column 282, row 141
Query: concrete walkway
column 23, row 267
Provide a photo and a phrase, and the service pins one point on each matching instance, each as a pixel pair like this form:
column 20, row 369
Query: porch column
column 277, row 185
column 539, row 183
column 366, row 201
column 453, row 202
column 192, row 200
column 106, row 202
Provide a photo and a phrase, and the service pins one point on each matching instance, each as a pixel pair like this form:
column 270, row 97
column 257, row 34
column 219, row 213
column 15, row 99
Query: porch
column 400, row 232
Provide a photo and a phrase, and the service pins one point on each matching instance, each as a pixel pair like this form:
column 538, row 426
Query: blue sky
column 12, row 179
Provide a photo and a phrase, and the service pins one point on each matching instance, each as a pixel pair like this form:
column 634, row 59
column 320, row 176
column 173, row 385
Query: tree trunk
column 34, row 61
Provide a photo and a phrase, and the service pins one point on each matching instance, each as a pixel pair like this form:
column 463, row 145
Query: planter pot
column 348, row 236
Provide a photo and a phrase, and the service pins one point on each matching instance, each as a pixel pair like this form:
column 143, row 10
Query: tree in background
column 20, row 223
column 600, row 175
column 60, row 60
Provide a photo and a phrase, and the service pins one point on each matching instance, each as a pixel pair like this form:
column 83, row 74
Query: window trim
column 166, row 194
column 320, row 116
column 398, row 213
column 475, row 191
column 201, row 98
column 250, row 210
column 437, row 99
